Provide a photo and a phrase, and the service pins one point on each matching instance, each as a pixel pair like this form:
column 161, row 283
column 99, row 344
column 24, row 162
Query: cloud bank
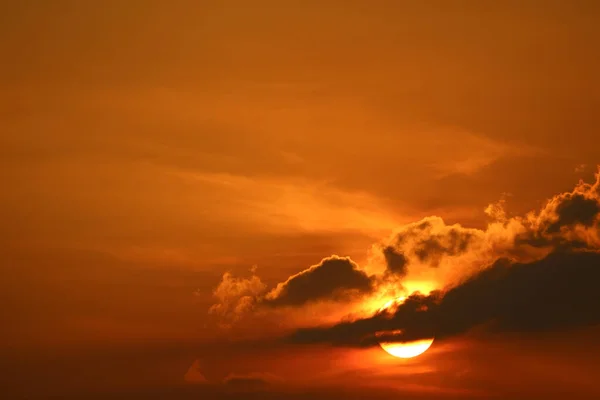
column 555, row 293
column 532, row 273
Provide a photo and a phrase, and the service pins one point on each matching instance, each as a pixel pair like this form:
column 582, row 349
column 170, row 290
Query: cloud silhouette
column 554, row 293
column 236, row 296
column 334, row 278
column 396, row 263
column 575, row 209
column 514, row 289
column 568, row 220
column 492, row 273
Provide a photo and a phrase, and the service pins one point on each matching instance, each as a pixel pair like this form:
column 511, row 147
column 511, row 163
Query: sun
column 407, row 349
column 404, row 349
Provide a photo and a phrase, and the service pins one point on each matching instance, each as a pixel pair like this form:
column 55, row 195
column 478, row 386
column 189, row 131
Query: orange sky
column 149, row 147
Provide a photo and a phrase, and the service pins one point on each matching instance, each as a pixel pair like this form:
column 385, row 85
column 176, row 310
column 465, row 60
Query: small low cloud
column 334, row 278
column 236, row 296
column 251, row 381
column 194, row 373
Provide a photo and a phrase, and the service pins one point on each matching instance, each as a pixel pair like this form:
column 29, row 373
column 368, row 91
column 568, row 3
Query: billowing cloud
column 567, row 220
column 334, row 278
column 395, row 261
column 432, row 250
column 430, row 240
column 515, row 288
column 541, row 264
column 236, row 296
column 575, row 209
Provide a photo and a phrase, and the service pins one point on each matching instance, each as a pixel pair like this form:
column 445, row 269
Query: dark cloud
column 575, row 209
column 451, row 243
column 364, row 332
column 537, row 239
column 566, row 223
column 334, row 278
column 567, row 220
column 395, row 261
column 555, row 293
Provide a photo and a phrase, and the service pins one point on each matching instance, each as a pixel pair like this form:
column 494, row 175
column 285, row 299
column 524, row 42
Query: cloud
column 245, row 381
column 567, row 220
column 575, row 209
column 236, row 296
column 431, row 239
column 432, row 250
column 396, row 263
column 334, row 278
column 555, row 293
column 461, row 259
column 251, row 381
column 515, row 287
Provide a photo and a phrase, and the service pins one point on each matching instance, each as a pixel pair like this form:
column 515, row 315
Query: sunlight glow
column 392, row 302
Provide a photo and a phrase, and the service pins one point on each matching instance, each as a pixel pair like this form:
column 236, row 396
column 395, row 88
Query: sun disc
column 404, row 349
column 407, row 349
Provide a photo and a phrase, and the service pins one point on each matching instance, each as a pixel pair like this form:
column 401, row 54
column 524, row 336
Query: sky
column 214, row 199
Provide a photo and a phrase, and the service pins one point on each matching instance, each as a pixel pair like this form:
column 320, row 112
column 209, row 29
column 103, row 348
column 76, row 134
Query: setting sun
column 403, row 349
column 407, row 349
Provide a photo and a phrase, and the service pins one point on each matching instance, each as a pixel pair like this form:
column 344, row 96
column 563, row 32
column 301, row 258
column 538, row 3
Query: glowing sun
column 403, row 349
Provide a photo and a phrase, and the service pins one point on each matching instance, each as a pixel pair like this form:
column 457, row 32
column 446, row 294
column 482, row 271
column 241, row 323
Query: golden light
column 393, row 302
column 403, row 349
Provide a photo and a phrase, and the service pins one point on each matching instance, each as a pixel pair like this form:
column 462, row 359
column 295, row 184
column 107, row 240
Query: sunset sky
column 214, row 199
